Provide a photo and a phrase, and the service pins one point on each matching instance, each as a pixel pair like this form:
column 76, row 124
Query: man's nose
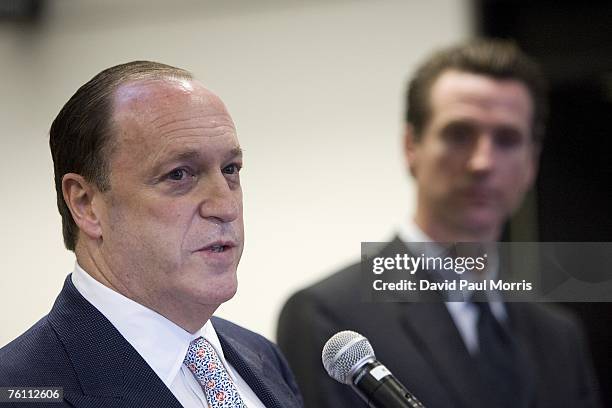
column 481, row 158
column 220, row 200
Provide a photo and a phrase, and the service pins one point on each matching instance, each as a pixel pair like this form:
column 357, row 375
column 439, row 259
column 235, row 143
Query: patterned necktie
column 204, row 363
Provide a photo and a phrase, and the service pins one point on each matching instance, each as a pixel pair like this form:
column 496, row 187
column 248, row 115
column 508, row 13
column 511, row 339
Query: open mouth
column 218, row 247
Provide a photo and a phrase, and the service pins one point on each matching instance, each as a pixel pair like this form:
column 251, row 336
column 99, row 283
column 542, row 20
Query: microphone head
column 344, row 353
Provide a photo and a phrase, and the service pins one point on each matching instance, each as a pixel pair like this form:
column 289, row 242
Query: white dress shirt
column 464, row 314
column 160, row 342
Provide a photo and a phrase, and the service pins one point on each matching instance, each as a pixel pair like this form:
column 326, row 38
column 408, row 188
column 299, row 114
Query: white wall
column 315, row 89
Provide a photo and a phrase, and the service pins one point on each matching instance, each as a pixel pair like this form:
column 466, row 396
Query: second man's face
column 476, row 158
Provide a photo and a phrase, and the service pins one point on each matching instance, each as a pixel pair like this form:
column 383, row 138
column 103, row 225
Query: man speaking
column 147, row 167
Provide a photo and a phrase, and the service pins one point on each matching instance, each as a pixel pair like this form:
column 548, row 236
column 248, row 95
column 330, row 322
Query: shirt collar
column 160, row 342
column 409, row 233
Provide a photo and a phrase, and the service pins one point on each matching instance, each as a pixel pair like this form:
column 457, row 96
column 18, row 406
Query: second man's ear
column 410, row 147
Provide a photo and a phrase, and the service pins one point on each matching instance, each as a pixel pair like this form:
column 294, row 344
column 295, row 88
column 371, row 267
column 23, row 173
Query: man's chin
column 227, row 293
column 482, row 224
column 212, row 286
column 225, row 290
column 216, row 298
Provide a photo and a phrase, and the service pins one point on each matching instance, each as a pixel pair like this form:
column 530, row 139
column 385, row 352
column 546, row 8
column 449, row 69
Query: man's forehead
column 160, row 121
column 147, row 94
column 455, row 87
column 161, row 105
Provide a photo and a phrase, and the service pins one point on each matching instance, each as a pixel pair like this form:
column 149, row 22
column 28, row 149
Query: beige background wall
column 315, row 88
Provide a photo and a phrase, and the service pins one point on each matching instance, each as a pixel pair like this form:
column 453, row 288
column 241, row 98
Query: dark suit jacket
column 77, row 348
column 421, row 346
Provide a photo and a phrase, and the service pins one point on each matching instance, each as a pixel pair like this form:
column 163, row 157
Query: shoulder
column 16, row 356
column 546, row 317
column 37, row 357
column 338, row 302
column 550, row 329
column 344, row 288
column 336, row 287
column 322, row 306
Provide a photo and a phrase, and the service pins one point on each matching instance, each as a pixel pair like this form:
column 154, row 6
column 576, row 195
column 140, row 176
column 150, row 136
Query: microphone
column 349, row 358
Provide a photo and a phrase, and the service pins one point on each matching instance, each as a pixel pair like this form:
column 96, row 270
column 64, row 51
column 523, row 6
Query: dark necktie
column 497, row 361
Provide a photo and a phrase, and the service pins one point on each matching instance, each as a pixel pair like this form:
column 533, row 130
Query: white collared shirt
column 160, row 342
column 464, row 314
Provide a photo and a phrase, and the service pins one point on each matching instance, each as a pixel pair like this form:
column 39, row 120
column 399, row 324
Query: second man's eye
column 508, row 138
column 459, row 134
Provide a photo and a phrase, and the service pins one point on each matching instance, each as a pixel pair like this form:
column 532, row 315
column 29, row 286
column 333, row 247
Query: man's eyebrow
column 453, row 124
column 462, row 121
column 235, row 152
column 186, row 155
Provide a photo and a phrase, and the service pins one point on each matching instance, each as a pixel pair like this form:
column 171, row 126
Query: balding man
column 147, row 167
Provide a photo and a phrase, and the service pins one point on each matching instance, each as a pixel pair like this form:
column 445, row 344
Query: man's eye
column 508, row 138
column 459, row 134
column 232, row 169
column 178, row 175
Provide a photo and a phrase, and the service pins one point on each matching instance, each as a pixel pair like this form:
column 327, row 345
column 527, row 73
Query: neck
column 189, row 317
column 439, row 230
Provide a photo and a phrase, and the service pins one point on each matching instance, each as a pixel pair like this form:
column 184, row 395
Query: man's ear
column 410, row 149
column 534, row 164
column 80, row 196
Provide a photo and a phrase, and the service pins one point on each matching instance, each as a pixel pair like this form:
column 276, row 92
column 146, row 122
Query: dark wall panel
column 573, row 42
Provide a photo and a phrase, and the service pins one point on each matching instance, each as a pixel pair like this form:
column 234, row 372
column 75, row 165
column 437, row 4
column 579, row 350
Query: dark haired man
column 147, row 169
column 474, row 125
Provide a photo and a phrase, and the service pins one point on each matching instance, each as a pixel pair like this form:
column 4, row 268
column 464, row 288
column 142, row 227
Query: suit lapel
column 428, row 324
column 430, row 327
column 250, row 367
column 526, row 357
column 109, row 371
column 433, row 332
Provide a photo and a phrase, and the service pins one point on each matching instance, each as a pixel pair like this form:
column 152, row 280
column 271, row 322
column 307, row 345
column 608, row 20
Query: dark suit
column 77, row 348
column 421, row 346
